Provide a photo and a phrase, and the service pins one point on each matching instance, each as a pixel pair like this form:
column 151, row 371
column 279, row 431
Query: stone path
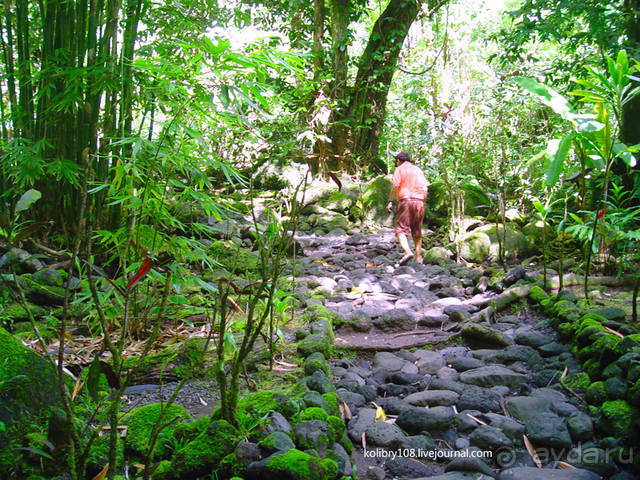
column 478, row 394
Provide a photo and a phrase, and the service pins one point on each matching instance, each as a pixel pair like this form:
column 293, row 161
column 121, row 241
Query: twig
column 413, row 332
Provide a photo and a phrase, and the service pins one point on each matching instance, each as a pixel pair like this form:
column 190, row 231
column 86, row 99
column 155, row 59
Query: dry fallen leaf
column 532, row 451
column 564, row 373
column 78, row 387
column 566, row 466
column 476, row 419
column 345, row 411
column 102, row 474
column 614, row 332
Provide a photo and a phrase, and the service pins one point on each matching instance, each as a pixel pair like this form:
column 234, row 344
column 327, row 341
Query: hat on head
column 402, row 156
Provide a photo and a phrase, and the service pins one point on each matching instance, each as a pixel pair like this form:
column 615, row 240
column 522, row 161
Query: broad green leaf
column 28, row 198
column 229, row 343
column 622, row 151
column 594, row 161
column 585, row 122
column 558, row 151
column 547, row 95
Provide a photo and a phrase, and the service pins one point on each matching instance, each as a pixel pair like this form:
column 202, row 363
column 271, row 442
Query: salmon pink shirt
column 409, row 182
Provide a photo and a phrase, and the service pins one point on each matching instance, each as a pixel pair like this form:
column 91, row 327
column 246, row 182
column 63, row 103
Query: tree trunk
column 338, row 131
column 318, row 31
column 7, row 49
column 375, row 71
column 24, row 69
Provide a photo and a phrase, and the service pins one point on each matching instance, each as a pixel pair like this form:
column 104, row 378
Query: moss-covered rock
column 596, row 394
column 333, row 403
column 483, row 242
column 232, row 257
column 313, row 413
column 620, row 418
column 593, row 368
column 28, row 386
column 475, row 246
column 314, row 313
column 633, row 394
column 537, row 294
column 580, row 380
column 296, row 465
column 184, row 432
column 140, row 422
column 17, row 313
column 184, row 359
column 336, row 427
column 375, row 198
column 259, row 404
column 316, row 361
column 314, row 343
column 485, row 335
column 204, row 453
column 275, row 442
column 41, row 293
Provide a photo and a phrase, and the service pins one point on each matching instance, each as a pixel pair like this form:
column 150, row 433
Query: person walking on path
column 410, row 190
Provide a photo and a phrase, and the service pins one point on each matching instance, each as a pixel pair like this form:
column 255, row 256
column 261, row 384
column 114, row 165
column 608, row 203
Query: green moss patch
column 232, row 257
column 204, row 453
column 140, row 425
column 297, row 465
column 28, row 385
column 621, row 418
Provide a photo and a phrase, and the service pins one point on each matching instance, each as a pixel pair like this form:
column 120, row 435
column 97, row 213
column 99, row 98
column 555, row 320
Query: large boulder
column 483, row 242
column 275, row 176
column 375, row 198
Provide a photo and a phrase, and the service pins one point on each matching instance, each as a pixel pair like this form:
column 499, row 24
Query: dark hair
column 403, row 157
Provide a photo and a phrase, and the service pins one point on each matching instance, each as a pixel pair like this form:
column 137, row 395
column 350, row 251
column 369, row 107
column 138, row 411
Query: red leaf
column 601, row 213
column 144, row 269
column 337, row 180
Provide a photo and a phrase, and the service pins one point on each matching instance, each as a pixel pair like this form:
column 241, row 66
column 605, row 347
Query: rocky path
column 458, row 407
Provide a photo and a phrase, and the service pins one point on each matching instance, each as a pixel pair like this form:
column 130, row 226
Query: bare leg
column 404, row 243
column 418, row 243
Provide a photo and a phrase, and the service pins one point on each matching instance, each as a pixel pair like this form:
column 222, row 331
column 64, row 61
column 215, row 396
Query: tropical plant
column 594, row 136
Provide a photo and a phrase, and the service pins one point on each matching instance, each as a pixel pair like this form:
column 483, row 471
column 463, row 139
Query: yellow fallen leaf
column 380, row 415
